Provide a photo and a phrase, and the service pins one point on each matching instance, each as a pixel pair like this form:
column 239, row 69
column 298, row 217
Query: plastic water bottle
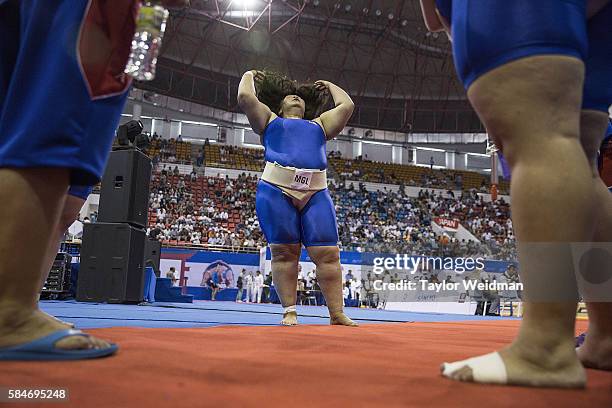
column 147, row 41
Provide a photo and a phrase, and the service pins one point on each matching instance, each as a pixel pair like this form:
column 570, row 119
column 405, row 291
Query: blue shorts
column 283, row 223
column 490, row 33
column 61, row 84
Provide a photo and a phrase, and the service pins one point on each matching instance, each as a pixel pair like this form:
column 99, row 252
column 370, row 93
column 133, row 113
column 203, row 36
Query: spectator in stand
column 201, row 159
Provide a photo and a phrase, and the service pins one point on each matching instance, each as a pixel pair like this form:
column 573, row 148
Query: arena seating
column 195, row 210
column 233, row 157
column 219, row 213
column 170, row 150
column 365, row 170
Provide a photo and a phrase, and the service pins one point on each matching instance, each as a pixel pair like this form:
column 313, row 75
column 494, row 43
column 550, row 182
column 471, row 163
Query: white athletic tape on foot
column 289, row 309
column 489, row 368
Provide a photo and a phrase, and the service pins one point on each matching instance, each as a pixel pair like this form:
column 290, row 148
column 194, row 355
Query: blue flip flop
column 44, row 349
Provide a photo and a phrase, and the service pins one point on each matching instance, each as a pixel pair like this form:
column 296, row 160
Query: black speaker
column 124, row 195
column 153, row 254
column 111, row 270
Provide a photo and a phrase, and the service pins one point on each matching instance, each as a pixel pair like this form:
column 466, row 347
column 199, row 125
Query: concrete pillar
column 357, row 148
column 396, row 154
column 450, row 160
column 136, row 111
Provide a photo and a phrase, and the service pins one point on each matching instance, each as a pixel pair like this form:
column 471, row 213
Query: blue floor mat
column 208, row 313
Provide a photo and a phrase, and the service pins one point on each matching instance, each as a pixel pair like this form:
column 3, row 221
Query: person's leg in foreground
column 33, row 199
column 548, row 168
column 38, row 69
column 530, row 101
column 596, row 351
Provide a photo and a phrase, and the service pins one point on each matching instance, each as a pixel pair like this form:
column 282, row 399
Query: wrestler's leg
column 596, row 351
column 285, row 259
column 280, row 222
column 32, row 200
column 329, row 276
column 320, row 237
column 532, row 108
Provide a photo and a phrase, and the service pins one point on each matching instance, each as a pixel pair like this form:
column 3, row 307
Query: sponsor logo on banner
column 447, row 224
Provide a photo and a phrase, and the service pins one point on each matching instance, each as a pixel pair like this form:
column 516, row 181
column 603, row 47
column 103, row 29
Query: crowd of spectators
column 490, row 221
column 169, row 150
column 223, row 214
column 392, row 222
column 180, row 216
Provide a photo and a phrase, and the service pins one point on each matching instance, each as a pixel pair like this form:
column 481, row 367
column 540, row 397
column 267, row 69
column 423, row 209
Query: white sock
column 489, row 368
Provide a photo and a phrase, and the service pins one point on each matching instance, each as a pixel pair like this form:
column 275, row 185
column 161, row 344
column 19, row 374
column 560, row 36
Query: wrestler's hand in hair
column 258, row 76
column 322, row 86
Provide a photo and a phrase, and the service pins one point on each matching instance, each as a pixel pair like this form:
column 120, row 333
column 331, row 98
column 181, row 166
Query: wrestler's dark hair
column 275, row 87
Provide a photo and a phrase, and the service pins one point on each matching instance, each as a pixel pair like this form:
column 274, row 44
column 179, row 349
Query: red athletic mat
column 387, row 365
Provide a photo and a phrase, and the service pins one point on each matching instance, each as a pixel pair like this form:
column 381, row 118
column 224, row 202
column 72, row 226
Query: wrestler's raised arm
column 334, row 120
column 258, row 114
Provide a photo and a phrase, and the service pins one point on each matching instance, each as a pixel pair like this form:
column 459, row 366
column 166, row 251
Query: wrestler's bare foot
column 596, row 351
column 551, row 367
column 289, row 319
column 342, row 320
column 24, row 327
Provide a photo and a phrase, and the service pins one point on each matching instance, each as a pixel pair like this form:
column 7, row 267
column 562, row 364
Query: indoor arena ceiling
column 400, row 76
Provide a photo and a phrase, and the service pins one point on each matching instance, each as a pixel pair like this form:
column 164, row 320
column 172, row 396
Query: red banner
column 448, row 224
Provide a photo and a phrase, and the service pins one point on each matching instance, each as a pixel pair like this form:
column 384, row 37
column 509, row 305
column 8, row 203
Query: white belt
column 294, row 178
